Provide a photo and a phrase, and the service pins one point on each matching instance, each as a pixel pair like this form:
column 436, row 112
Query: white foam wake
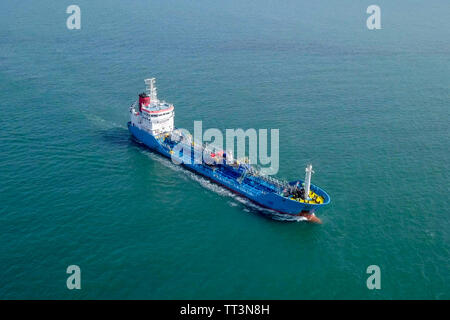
column 100, row 122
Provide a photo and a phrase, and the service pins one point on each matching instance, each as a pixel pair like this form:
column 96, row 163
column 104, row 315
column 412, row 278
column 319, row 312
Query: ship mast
column 309, row 171
column 151, row 89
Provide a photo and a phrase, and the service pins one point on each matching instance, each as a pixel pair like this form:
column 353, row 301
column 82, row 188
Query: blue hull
column 264, row 198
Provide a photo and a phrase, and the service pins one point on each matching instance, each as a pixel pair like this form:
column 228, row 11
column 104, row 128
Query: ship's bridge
column 157, row 109
column 152, row 115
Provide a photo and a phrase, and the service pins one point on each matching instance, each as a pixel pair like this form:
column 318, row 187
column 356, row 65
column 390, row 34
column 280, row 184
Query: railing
column 187, row 142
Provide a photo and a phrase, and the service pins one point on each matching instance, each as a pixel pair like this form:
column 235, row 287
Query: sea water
column 368, row 108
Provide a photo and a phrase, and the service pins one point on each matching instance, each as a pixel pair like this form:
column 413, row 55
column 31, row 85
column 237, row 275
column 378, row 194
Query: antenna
column 151, row 89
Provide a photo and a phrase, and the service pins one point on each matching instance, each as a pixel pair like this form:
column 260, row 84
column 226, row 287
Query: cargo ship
column 152, row 124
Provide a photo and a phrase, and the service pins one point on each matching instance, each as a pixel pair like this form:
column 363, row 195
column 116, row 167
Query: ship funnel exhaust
column 309, row 171
column 144, row 100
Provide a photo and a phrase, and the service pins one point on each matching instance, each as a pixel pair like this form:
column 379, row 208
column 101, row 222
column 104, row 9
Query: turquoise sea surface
column 368, row 108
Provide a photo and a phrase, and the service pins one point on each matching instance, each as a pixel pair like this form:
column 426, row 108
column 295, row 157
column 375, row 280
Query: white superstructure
column 151, row 114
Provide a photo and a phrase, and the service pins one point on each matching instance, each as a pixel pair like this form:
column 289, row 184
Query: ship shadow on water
column 118, row 136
